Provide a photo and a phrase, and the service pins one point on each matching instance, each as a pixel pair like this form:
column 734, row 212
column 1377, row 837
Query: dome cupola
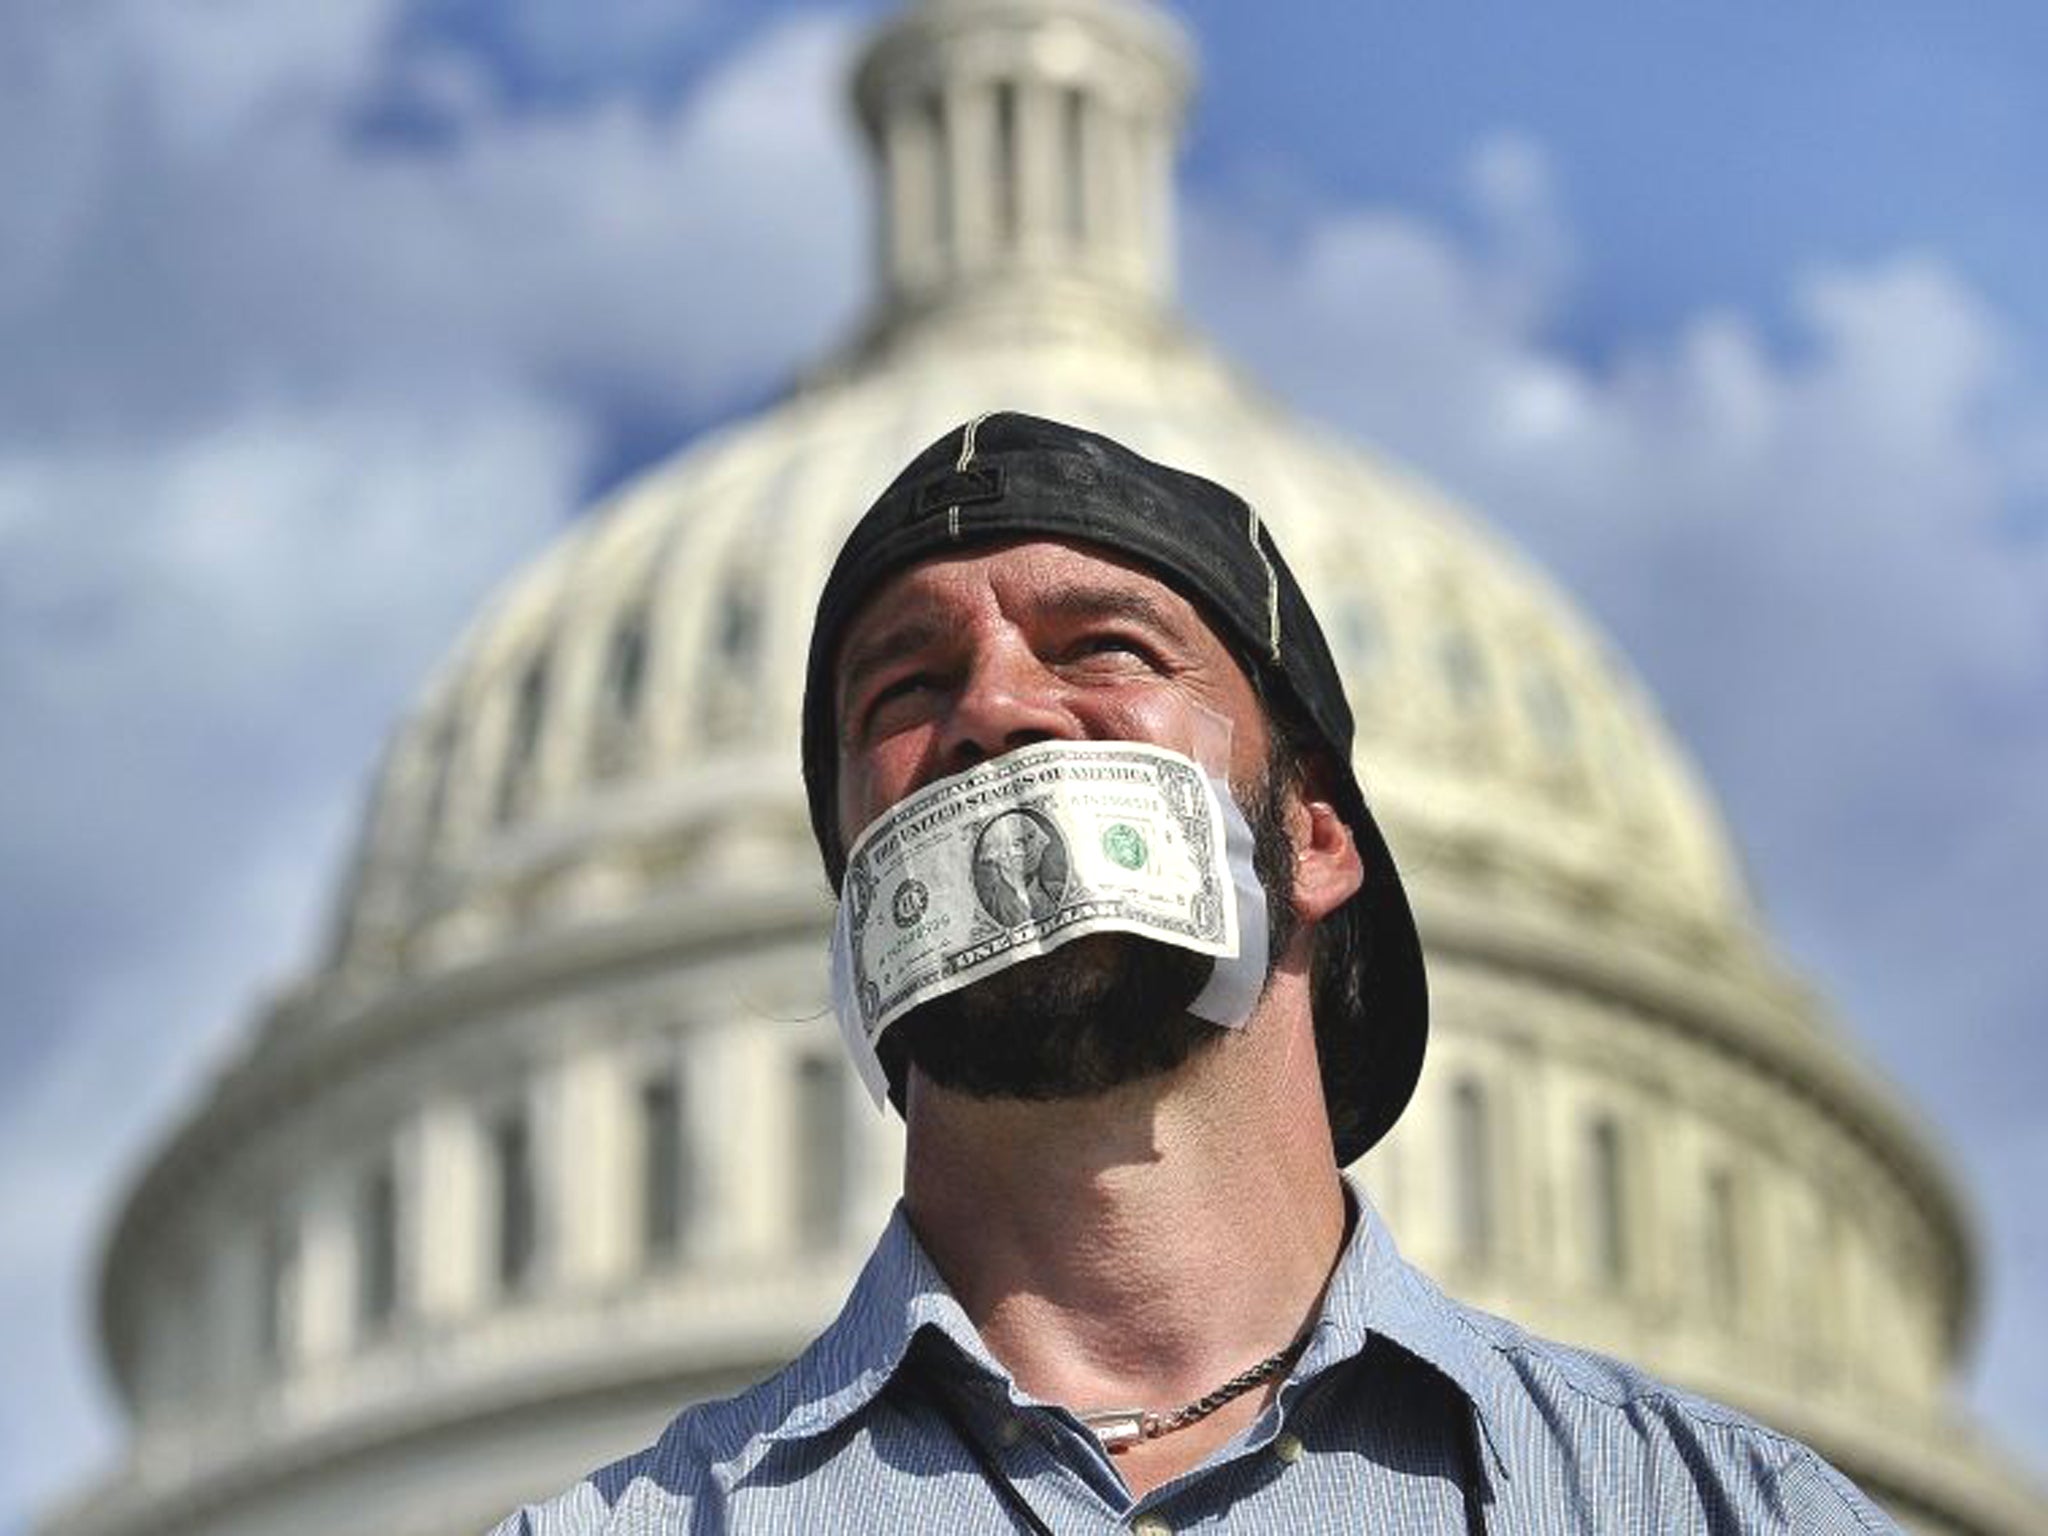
column 1023, row 146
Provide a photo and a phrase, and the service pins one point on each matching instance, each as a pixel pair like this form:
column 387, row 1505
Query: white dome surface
column 1495, row 728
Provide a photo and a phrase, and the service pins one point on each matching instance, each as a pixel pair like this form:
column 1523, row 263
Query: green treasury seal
column 1125, row 845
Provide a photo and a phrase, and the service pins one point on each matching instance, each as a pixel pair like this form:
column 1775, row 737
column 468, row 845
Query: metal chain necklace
column 1121, row 1428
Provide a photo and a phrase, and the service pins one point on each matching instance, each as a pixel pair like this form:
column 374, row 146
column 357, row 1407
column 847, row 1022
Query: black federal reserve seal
column 909, row 902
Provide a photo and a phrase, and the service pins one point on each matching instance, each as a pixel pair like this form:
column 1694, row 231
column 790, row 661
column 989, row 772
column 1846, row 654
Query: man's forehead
column 1047, row 576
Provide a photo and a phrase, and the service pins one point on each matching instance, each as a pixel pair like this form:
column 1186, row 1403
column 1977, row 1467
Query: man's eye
column 1112, row 645
column 908, row 686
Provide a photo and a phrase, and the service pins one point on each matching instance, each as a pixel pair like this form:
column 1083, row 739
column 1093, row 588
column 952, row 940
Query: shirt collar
column 899, row 1293
column 1373, row 1292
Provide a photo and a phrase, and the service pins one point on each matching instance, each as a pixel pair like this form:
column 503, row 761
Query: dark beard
column 1095, row 1014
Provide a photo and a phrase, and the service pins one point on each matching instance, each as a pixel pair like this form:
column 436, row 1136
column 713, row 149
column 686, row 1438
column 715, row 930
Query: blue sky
column 315, row 321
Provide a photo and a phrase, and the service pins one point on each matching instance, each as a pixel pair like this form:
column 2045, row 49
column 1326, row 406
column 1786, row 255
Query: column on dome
column 1521, row 1201
column 910, row 176
column 1430, row 1223
column 822, row 1112
column 236, row 1305
column 1772, row 1323
column 970, row 145
column 278, row 1329
column 327, row 1273
column 1152, row 159
column 1037, row 172
column 1854, row 1272
column 1474, row 1133
column 1901, row 1303
column 450, row 1271
column 1833, row 1293
column 1545, row 1092
column 594, row 1183
column 1920, row 1343
column 747, row 1169
column 1098, row 172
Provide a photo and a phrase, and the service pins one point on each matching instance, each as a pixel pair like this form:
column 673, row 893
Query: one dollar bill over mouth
column 1020, row 855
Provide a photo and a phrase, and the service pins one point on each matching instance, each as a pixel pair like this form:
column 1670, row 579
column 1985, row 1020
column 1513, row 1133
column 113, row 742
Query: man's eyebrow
column 1079, row 604
column 869, row 654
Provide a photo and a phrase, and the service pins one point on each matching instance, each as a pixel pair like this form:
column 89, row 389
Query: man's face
column 960, row 660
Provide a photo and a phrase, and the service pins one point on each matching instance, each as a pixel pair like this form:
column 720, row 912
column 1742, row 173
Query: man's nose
column 1007, row 699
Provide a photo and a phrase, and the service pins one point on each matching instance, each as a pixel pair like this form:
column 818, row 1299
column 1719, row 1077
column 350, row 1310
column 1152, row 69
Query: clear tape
column 1237, row 981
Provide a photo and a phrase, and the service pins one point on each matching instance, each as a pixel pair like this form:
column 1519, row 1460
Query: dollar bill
column 1022, row 854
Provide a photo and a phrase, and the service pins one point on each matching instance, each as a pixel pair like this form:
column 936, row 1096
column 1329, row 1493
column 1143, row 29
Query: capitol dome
column 557, row 1136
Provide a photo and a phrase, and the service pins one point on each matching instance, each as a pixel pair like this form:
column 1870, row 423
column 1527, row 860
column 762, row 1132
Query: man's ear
column 1328, row 868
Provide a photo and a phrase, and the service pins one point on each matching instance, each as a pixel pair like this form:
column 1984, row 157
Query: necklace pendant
column 1117, row 1428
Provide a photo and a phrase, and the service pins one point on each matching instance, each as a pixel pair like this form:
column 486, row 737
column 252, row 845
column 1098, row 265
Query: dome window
column 729, row 696
column 739, row 625
column 522, row 749
column 445, row 743
column 667, row 1172
column 277, row 1305
column 1464, row 668
column 1074, row 148
column 1360, row 636
column 625, row 671
column 1607, row 1191
column 1550, row 713
column 620, row 693
column 1005, row 178
column 1724, row 1255
column 511, row 1139
column 1472, row 1173
column 939, row 127
column 377, row 1247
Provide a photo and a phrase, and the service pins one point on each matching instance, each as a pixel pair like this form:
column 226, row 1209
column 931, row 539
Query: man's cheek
column 1172, row 718
column 871, row 783
column 854, row 796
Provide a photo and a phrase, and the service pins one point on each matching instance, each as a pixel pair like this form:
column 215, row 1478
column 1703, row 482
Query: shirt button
column 1009, row 1432
column 1150, row 1525
column 1288, row 1448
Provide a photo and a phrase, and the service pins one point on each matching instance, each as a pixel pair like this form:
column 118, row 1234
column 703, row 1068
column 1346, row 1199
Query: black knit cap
column 1006, row 477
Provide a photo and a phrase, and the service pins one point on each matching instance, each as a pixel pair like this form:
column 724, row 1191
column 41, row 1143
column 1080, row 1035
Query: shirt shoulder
column 1584, row 1425
column 678, row 1482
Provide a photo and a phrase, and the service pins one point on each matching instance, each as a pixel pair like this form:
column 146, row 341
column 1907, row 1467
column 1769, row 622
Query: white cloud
column 201, row 640
column 1811, row 551
column 672, row 257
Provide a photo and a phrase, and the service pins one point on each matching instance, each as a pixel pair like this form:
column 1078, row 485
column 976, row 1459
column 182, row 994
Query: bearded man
column 1127, row 1287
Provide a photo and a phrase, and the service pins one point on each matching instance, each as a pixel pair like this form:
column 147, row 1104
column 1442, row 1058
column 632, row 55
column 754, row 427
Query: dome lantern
column 1022, row 145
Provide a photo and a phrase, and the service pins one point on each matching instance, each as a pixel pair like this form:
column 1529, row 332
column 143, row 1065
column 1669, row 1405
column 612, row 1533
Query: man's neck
column 1140, row 1247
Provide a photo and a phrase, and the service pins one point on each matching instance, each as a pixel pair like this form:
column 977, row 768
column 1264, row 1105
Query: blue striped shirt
column 1406, row 1412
